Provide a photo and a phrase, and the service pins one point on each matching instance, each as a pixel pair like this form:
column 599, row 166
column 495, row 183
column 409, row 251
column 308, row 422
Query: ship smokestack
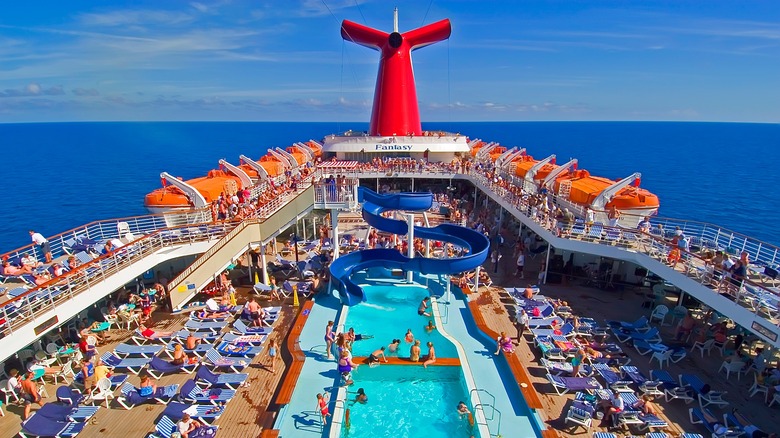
column 395, row 110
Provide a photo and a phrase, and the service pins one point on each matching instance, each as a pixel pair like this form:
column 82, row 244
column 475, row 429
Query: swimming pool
column 388, row 311
column 408, row 401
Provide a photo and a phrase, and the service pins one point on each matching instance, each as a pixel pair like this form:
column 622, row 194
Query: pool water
column 388, row 311
column 408, row 401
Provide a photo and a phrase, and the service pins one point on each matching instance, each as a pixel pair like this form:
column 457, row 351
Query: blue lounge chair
column 612, row 379
column 207, row 414
column 563, row 385
column 241, row 328
column 134, row 365
column 199, row 350
column 566, row 330
column 209, row 379
column 139, row 338
column 229, row 349
column 705, row 396
column 197, row 326
column 645, row 348
column 165, row 427
column 209, row 337
column 640, row 325
column 158, row 367
column 131, row 398
column 652, row 335
column 194, row 316
column 40, row 426
column 62, row 412
column 672, row 389
column 190, row 392
column 632, row 415
column 146, row 351
column 217, row 361
column 647, row 386
column 254, row 340
column 709, row 421
column 69, row 396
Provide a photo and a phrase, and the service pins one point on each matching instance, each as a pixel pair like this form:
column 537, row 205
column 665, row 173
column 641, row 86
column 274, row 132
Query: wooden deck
column 492, row 303
column 247, row 415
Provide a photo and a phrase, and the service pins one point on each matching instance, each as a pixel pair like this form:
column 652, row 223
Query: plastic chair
column 8, row 392
column 758, row 387
column 661, row 357
column 112, row 320
column 659, row 313
column 101, row 391
column 42, row 358
column 704, row 346
column 67, row 370
column 732, row 367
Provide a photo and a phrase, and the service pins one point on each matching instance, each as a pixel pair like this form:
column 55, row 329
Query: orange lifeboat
column 523, row 164
column 209, row 187
column 476, row 147
column 497, row 152
column 584, row 189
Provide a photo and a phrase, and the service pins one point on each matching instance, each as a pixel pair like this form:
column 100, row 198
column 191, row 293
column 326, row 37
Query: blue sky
column 285, row 60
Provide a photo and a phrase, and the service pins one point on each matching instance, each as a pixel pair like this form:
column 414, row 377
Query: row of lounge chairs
column 203, row 396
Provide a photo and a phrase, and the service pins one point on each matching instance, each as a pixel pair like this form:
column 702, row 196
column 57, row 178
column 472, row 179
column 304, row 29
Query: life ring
column 346, row 419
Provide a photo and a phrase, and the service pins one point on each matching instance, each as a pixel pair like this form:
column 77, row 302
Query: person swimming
column 393, row 347
column 409, row 337
column 361, row 396
column 430, row 327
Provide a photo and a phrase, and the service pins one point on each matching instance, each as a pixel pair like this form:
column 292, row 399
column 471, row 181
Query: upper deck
column 28, row 314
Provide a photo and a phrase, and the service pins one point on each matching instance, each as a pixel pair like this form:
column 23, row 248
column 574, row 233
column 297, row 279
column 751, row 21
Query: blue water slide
column 374, row 204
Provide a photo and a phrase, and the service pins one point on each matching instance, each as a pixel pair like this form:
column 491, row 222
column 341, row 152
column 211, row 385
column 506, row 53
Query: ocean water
column 58, row 176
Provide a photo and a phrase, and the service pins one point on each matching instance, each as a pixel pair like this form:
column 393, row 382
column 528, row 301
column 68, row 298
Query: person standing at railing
column 41, row 241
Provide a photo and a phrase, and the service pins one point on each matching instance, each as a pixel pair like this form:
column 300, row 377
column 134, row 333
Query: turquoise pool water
column 388, row 311
column 408, row 401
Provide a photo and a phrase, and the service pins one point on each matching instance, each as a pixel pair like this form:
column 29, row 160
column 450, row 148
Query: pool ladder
column 493, row 410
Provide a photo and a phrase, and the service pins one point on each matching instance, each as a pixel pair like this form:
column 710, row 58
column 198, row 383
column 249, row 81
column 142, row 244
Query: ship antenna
column 395, row 20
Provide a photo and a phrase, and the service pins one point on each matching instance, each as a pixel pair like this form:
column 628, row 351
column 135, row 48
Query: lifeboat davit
column 170, row 197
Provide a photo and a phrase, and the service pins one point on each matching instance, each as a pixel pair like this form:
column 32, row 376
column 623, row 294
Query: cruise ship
column 435, row 239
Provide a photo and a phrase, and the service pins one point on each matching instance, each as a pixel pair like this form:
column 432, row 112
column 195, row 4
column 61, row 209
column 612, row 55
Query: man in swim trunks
column 374, row 357
column 423, row 309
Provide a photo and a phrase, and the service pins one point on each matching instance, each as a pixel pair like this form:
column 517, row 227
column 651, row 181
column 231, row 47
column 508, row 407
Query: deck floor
column 614, row 305
column 245, row 416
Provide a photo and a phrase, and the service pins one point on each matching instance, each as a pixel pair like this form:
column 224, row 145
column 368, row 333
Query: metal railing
column 21, row 308
column 493, row 410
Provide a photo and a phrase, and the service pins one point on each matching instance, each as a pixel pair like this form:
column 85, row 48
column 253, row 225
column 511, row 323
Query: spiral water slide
column 374, row 205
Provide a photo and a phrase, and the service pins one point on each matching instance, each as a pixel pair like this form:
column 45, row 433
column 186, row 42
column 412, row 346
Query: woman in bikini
column 414, row 352
column 329, row 338
column 431, row 359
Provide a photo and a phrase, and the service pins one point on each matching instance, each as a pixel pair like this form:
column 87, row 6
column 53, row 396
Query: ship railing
column 704, row 235
column 751, row 292
column 63, row 244
column 21, row 309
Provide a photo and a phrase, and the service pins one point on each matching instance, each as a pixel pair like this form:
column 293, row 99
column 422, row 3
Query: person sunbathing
column 646, row 405
column 149, row 333
column 210, row 314
column 749, row 429
column 9, row 269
